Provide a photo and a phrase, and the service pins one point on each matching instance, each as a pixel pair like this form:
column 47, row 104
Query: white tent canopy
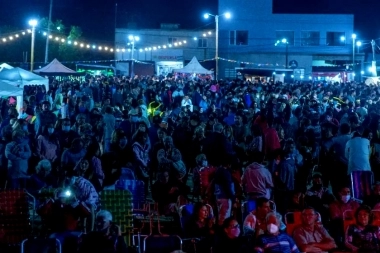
column 8, row 90
column 21, row 77
column 5, row 66
column 194, row 67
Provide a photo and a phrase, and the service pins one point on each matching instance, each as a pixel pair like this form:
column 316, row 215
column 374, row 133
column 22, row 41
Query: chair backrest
column 162, row 243
column 41, row 245
column 185, row 212
column 119, row 203
column 348, row 219
column 294, row 219
column 376, row 218
column 14, row 216
column 361, row 183
column 136, row 187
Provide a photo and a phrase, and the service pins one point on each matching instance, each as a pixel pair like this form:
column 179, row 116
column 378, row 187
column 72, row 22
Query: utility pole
column 48, row 33
column 374, row 69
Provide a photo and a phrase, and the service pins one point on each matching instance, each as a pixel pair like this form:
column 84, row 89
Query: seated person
column 373, row 199
column 106, row 239
column 337, row 209
column 84, row 190
column 63, row 213
column 230, row 240
column 319, row 197
column 362, row 236
column 311, row 236
column 200, row 225
column 42, row 178
column 165, row 192
column 255, row 222
column 274, row 241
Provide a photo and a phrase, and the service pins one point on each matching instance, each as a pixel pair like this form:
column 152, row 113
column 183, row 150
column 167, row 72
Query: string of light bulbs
column 10, row 37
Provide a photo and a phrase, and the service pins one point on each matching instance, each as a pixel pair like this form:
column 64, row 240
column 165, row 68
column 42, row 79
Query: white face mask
column 345, row 198
column 204, row 163
column 272, row 228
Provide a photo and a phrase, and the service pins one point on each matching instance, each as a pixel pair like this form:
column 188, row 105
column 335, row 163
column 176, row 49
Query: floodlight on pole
column 133, row 39
column 206, row 16
column 33, row 23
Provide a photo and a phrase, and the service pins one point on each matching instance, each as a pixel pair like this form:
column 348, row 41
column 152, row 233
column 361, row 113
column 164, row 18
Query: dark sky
column 97, row 17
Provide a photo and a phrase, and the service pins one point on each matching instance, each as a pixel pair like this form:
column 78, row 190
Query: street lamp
column 33, row 23
column 226, row 15
column 284, row 41
column 133, row 39
column 353, row 50
column 359, row 44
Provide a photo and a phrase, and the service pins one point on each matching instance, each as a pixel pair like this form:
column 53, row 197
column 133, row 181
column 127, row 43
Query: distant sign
column 168, row 57
column 293, row 64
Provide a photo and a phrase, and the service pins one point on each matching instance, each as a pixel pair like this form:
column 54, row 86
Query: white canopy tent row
column 18, row 78
column 194, row 67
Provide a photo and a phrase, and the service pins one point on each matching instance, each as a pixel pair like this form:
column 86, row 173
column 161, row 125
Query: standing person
column 17, row 152
column 224, row 190
column 257, row 181
column 109, row 122
column 48, row 145
column 44, row 117
column 357, row 153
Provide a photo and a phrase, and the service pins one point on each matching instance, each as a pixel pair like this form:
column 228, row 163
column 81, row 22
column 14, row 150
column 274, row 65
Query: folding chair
column 161, row 243
column 361, row 183
column 348, row 219
column 376, row 218
column 294, row 219
column 41, row 245
column 15, row 216
column 119, row 203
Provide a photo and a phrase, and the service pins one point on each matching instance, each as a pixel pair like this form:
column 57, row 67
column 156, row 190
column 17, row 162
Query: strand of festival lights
column 10, row 37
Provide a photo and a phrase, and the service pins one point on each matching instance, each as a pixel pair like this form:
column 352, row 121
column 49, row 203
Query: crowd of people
column 218, row 144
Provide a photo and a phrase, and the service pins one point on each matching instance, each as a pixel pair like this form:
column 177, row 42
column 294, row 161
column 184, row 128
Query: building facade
column 168, row 47
column 256, row 40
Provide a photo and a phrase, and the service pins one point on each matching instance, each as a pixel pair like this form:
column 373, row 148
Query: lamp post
column 353, row 51
column 358, row 44
column 226, row 15
column 33, row 23
column 133, row 39
column 284, row 41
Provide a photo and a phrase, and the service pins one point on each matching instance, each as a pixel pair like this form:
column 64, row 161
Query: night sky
column 97, row 18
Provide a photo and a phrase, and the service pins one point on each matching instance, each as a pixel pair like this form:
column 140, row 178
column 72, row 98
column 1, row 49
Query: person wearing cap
column 44, row 118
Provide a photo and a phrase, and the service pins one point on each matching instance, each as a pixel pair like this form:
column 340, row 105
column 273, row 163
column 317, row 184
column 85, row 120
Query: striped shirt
column 281, row 243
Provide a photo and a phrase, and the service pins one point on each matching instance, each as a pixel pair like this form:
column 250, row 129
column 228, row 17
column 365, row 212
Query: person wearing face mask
column 337, row 208
column 275, row 241
column 65, row 134
column 203, row 174
column 230, row 239
column 48, row 145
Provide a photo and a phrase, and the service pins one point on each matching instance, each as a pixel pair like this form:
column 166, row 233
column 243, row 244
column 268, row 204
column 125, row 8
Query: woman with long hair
column 48, row 145
column 90, row 166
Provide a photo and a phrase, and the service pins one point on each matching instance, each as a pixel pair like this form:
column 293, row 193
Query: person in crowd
column 17, row 152
column 171, row 156
column 255, row 222
column 275, row 241
column 66, row 135
column 48, row 145
column 166, row 191
column 358, row 153
column 337, row 209
column 71, row 156
column 312, row 236
column 373, row 199
column 44, row 117
column 42, row 178
column 362, row 236
column 107, row 237
column 109, row 122
column 257, row 181
column 230, row 239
